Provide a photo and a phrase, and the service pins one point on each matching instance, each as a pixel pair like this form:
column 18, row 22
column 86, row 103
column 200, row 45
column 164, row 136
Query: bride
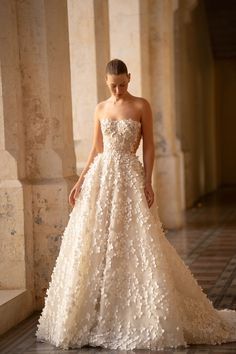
column 117, row 282
column 122, row 104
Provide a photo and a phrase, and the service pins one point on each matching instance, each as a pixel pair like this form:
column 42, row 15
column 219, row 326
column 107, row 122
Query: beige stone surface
column 133, row 47
column 168, row 176
column 89, row 52
column 37, row 168
column 50, row 159
column 15, row 306
column 15, row 223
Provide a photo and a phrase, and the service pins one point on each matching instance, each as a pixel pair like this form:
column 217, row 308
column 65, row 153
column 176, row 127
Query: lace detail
column 122, row 136
column 117, row 282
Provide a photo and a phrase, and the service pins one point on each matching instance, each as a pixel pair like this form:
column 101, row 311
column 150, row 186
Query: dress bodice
column 122, row 136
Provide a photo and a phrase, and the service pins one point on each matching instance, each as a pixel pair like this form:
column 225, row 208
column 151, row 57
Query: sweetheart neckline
column 118, row 120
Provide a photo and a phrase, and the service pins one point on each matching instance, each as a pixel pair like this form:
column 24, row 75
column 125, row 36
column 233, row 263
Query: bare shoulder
column 144, row 108
column 99, row 109
column 100, row 106
column 141, row 102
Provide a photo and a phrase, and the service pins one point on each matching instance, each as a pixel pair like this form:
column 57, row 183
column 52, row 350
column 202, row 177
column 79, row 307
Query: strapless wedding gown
column 118, row 283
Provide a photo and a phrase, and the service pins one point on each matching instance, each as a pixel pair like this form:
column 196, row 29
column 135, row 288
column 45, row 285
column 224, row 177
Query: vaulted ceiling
column 221, row 17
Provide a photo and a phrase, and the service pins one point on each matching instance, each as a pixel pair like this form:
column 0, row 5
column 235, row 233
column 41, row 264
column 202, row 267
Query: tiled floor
column 207, row 244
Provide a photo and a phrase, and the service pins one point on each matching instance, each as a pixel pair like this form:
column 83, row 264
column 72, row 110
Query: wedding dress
column 118, row 283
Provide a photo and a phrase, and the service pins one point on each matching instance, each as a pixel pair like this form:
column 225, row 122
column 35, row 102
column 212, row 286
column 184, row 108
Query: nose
column 117, row 89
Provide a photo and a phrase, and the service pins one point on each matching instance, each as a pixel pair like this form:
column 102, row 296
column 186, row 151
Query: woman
column 122, row 104
column 117, row 282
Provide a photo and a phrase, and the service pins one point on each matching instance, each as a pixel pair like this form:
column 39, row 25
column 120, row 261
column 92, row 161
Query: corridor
column 206, row 243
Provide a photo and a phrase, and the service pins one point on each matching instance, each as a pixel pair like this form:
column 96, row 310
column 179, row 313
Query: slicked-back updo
column 116, row 67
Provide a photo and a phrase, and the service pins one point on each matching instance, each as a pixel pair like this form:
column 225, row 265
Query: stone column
column 16, row 241
column 47, row 118
column 129, row 41
column 168, row 168
column 89, row 53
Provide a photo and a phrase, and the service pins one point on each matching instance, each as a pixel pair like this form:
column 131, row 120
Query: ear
column 129, row 76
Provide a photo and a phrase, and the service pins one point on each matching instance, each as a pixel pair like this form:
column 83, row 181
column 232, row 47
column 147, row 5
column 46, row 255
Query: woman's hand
column 149, row 193
column 75, row 192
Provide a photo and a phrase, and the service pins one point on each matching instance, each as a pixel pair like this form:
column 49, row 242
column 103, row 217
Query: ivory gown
column 118, row 283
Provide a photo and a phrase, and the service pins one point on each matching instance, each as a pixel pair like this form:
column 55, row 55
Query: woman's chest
column 121, row 113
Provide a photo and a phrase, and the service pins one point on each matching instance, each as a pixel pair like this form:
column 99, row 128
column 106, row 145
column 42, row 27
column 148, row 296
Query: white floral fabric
column 117, row 282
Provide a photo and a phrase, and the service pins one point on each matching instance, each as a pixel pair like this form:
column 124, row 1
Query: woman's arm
column 97, row 147
column 148, row 149
column 97, row 143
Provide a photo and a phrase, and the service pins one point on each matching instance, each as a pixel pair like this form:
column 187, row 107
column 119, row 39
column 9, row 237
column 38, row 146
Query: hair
column 116, row 67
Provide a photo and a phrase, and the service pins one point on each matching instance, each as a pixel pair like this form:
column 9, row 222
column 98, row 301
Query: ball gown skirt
column 117, row 282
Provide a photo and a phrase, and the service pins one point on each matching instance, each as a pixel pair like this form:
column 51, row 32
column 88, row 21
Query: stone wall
column 37, row 153
column 226, row 122
column 195, row 97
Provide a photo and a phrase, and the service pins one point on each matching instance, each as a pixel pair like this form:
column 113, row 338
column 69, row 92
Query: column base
column 15, row 306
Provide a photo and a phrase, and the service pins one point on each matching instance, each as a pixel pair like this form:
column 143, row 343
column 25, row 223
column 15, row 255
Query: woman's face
column 118, row 84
